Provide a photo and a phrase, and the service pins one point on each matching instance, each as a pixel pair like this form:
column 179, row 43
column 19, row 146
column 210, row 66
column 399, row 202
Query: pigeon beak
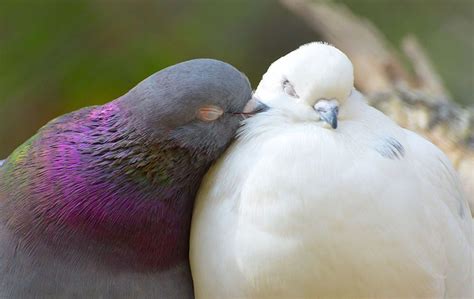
column 254, row 106
column 328, row 114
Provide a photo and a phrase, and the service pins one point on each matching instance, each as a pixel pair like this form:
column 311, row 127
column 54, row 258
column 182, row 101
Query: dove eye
column 289, row 89
column 209, row 113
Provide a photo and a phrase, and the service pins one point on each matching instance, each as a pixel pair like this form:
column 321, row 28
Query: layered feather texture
column 296, row 210
column 98, row 203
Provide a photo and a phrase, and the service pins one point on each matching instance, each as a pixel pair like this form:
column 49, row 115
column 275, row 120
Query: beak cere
column 254, row 106
column 328, row 111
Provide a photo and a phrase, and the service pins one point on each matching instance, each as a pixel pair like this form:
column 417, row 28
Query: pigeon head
column 196, row 104
column 311, row 83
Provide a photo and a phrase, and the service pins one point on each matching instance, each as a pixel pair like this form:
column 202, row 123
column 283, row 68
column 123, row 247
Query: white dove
column 323, row 196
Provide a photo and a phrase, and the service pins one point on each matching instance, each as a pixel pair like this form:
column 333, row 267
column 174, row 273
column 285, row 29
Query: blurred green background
column 58, row 56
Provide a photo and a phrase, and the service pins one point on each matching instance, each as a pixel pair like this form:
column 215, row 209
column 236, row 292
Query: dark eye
column 289, row 89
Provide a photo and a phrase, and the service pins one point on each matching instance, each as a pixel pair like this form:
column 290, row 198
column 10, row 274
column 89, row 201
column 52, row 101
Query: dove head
column 196, row 104
column 311, row 83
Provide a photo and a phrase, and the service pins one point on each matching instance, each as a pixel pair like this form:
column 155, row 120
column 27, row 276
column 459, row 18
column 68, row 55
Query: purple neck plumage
column 95, row 184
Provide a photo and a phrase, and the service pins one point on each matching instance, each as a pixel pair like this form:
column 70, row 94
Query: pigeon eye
column 209, row 113
column 289, row 89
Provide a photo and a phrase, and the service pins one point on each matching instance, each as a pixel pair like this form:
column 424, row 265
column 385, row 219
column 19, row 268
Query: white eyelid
column 209, row 113
column 289, row 89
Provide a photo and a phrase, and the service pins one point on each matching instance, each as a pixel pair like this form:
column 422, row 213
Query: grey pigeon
column 98, row 203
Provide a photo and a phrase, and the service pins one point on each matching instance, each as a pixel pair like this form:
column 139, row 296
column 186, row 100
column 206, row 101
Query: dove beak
column 328, row 113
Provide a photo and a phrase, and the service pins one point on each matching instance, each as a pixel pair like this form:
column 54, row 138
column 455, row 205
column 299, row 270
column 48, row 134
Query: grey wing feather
column 1, row 162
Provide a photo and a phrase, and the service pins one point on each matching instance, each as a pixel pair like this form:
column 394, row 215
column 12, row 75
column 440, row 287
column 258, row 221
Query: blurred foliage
column 58, row 56
column 445, row 29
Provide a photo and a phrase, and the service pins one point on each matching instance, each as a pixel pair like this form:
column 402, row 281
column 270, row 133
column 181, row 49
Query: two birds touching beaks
column 191, row 186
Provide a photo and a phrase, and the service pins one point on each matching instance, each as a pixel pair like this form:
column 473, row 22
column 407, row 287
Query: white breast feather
column 294, row 210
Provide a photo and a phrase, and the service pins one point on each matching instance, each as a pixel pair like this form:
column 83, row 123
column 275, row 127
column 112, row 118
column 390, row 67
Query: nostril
column 325, row 105
column 320, row 109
